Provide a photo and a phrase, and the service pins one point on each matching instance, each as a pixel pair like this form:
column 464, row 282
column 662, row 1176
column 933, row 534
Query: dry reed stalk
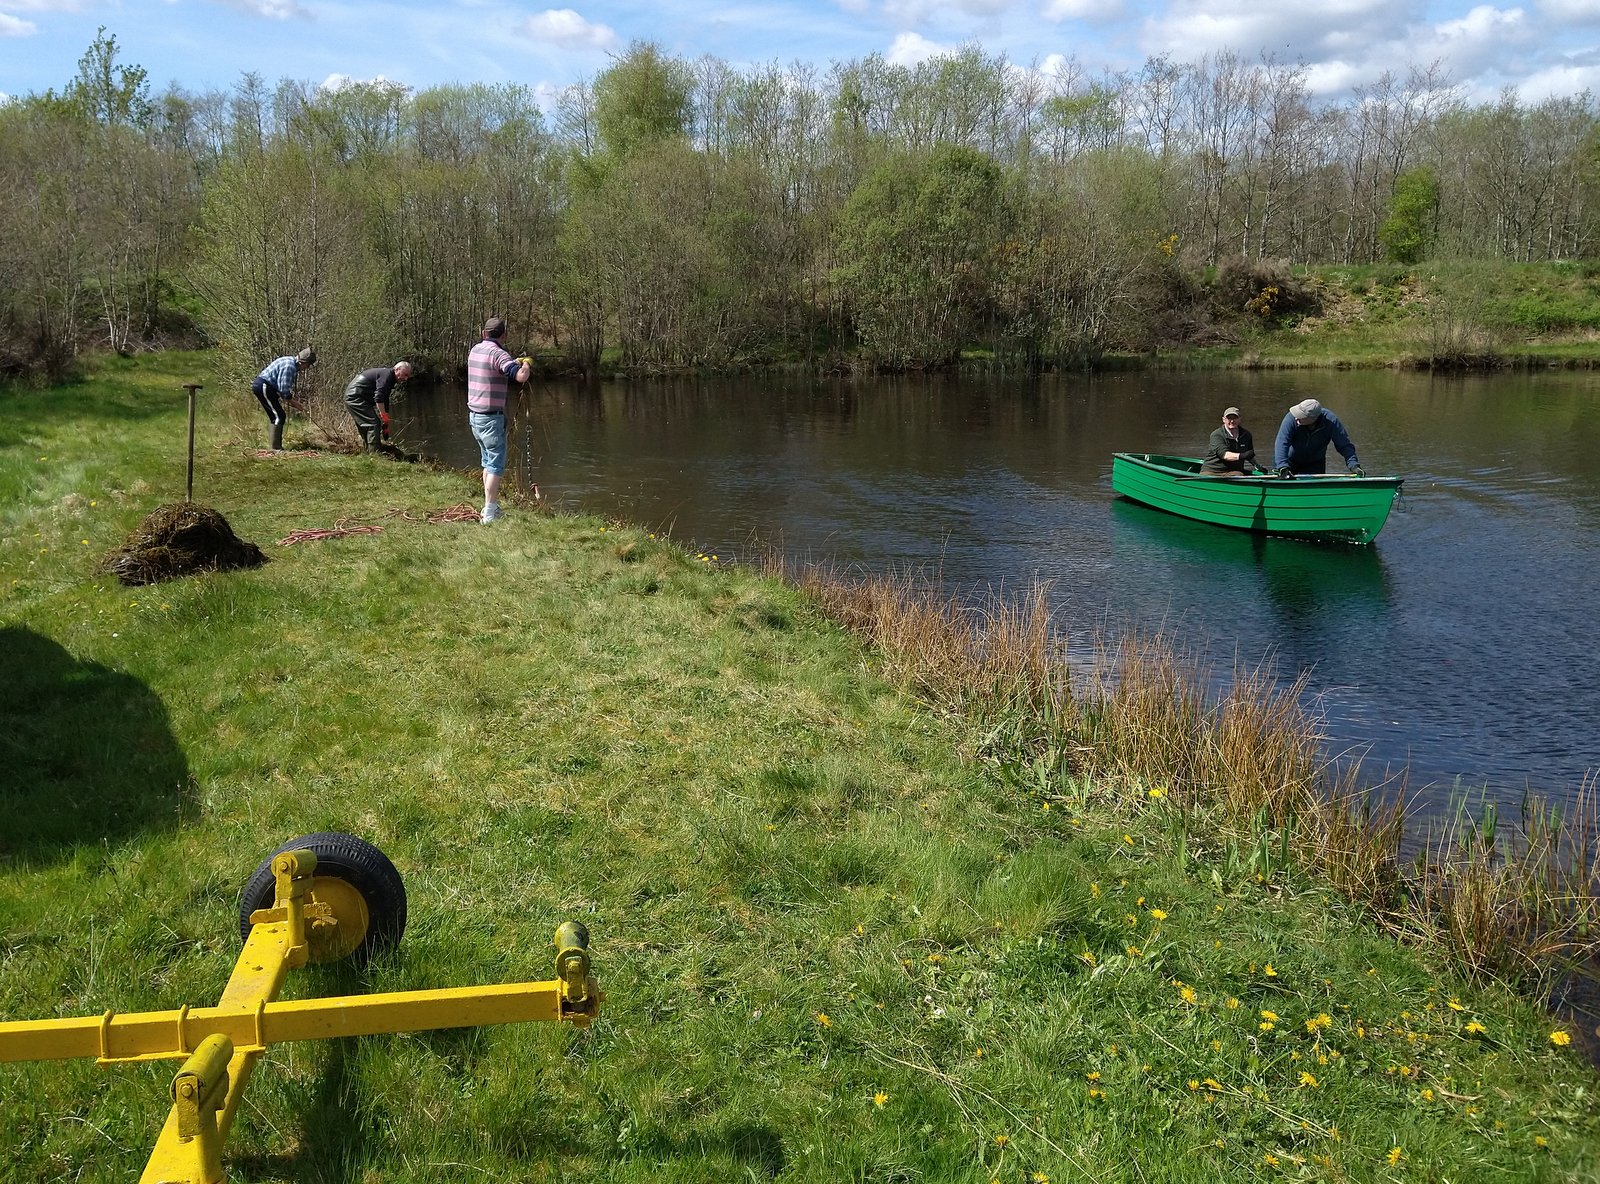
column 1142, row 716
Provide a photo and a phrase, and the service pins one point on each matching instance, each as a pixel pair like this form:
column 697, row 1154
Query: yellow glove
column 525, row 361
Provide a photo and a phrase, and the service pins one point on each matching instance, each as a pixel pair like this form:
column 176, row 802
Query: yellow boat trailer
column 349, row 913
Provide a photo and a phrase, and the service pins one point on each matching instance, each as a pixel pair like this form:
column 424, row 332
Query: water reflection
column 1303, row 581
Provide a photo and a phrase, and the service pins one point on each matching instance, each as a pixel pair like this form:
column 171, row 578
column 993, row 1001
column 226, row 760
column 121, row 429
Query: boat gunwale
column 1149, row 460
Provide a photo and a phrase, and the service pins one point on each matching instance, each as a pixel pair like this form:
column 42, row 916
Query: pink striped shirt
column 489, row 369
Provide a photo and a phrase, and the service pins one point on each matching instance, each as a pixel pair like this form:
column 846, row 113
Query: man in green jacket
column 1232, row 447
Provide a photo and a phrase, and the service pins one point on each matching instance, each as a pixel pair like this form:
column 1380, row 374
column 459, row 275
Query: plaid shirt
column 282, row 373
column 489, row 369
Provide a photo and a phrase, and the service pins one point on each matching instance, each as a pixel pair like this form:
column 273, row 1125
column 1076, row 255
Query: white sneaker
column 491, row 512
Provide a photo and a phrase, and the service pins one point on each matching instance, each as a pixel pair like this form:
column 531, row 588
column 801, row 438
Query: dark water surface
column 1460, row 643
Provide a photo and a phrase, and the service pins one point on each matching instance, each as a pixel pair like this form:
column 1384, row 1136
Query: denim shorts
column 490, row 432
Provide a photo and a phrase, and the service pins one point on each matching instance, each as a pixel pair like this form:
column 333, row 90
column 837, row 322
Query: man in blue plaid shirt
column 276, row 382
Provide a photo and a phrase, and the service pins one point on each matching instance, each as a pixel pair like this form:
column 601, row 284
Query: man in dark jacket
column 1232, row 446
column 367, row 398
column 1303, row 439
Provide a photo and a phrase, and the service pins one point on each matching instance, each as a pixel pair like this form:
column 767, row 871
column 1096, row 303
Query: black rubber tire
column 359, row 864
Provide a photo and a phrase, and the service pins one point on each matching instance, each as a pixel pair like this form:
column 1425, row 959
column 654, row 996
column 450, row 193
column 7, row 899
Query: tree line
column 671, row 214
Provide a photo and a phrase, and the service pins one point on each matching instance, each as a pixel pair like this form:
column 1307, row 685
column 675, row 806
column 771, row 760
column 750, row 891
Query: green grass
column 562, row 717
column 1387, row 315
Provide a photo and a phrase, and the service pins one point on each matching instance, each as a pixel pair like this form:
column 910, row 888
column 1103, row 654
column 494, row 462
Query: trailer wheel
column 355, row 880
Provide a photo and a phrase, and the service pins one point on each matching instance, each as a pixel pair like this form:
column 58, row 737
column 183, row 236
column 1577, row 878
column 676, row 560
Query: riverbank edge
column 1261, row 880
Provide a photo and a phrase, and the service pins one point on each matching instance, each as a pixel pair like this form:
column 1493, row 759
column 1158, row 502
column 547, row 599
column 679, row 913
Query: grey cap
column 1308, row 409
column 494, row 327
column 306, row 356
column 1230, row 411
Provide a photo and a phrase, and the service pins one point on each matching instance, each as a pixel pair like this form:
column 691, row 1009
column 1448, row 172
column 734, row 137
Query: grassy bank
column 839, row 940
column 1448, row 314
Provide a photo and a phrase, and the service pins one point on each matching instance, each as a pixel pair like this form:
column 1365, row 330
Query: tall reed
column 1135, row 718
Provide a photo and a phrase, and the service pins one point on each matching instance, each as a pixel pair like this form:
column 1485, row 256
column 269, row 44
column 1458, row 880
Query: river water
column 1459, row 645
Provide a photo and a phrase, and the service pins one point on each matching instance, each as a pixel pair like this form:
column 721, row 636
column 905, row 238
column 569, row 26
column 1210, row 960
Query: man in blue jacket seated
column 1303, row 439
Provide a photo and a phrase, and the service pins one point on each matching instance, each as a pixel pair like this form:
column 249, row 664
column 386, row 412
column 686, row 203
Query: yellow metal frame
column 311, row 919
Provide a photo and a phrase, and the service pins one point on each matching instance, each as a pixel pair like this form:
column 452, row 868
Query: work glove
column 1286, row 472
column 383, row 418
column 1358, row 471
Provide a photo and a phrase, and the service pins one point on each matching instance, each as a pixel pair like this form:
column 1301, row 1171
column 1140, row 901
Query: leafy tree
column 1405, row 230
column 918, row 239
column 642, row 100
column 109, row 94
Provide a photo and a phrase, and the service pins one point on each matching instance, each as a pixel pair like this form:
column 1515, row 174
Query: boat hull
column 1326, row 508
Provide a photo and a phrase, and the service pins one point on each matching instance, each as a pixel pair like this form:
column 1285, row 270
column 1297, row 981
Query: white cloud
column 563, row 26
column 1336, row 77
column 910, row 48
column 276, row 10
column 1093, row 12
column 1557, row 82
column 1571, row 12
column 1313, row 30
column 10, row 26
column 41, row 5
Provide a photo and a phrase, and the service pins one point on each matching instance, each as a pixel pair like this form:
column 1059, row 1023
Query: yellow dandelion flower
column 1475, row 1029
column 1187, row 994
column 1540, row 1141
column 1269, row 1015
column 1130, row 919
column 1560, row 1038
column 1001, row 1140
column 1318, row 1022
column 1268, row 971
column 822, row 1018
column 1395, row 1156
column 1096, row 1093
column 1133, row 951
column 1266, row 1025
column 1232, row 1004
column 1157, row 792
column 1194, row 1083
column 1094, row 891
column 1094, row 1076
column 1219, row 1142
column 1128, row 839
column 977, row 1054
column 879, row 1098
column 1427, row 1095
column 1454, row 1005
column 1087, row 957
column 1213, row 1085
column 1308, row 1079
column 1040, row 1178
column 1158, row 914
column 1270, row 1160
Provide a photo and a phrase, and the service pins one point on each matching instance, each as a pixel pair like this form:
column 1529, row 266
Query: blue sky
column 1542, row 48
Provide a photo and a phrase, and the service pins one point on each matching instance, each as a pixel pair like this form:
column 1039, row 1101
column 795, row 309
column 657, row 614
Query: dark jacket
column 1221, row 442
column 376, row 383
column 1304, row 447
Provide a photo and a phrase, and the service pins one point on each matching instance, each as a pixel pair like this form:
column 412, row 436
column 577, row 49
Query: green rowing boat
column 1323, row 507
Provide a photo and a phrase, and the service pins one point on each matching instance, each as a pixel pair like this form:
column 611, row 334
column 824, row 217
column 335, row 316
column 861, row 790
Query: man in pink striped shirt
column 489, row 371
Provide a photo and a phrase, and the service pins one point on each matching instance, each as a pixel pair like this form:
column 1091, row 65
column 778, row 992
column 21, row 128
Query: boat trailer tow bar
column 317, row 899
